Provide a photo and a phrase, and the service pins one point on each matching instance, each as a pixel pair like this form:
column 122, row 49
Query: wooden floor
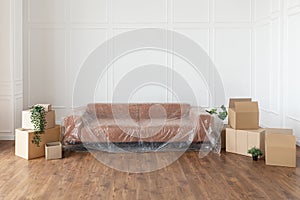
column 80, row 176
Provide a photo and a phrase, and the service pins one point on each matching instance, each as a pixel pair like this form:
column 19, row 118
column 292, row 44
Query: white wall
column 254, row 44
column 60, row 34
column 276, row 62
column 11, row 97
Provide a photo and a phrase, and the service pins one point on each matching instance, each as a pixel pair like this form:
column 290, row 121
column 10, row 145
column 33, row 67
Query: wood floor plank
column 80, row 176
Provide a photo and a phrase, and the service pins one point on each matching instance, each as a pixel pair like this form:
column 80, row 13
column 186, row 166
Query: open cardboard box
column 243, row 114
column 280, row 147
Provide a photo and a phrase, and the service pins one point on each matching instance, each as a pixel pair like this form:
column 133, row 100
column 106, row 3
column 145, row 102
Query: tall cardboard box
column 243, row 114
column 26, row 121
column 280, row 147
column 26, row 149
column 239, row 141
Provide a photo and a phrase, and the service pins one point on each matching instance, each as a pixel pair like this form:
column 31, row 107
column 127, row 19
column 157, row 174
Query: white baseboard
column 298, row 143
column 7, row 136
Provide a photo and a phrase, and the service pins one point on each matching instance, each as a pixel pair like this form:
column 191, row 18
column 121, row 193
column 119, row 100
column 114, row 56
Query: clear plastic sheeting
column 144, row 130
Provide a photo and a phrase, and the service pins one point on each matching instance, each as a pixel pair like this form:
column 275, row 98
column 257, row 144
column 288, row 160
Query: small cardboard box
column 26, row 121
column 243, row 114
column 53, row 150
column 280, row 147
column 239, row 141
column 26, row 149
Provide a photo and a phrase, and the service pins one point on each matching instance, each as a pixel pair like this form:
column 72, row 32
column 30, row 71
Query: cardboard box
column 243, row 114
column 53, row 150
column 26, row 149
column 240, row 141
column 280, row 147
column 26, row 121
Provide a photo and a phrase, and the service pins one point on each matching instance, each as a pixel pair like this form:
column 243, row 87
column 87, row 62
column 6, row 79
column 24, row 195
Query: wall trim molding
column 7, row 136
column 293, row 118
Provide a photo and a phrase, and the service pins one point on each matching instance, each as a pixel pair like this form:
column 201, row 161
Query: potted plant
column 255, row 152
column 222, row 115
column 38, row 119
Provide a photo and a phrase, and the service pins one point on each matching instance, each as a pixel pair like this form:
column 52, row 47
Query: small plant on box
column 38, row 119
column 255, row 152
column 222, row 115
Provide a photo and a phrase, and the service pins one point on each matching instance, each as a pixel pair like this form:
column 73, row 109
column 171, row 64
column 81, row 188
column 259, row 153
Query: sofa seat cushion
column 110, row 130
column 174, row 130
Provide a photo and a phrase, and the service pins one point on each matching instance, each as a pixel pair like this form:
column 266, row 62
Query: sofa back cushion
column 163, row 110
column 139, row 111
column 116, row 111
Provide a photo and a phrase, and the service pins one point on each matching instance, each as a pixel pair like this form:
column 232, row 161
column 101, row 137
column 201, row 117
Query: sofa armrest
column 202, row 121
column 72, row 126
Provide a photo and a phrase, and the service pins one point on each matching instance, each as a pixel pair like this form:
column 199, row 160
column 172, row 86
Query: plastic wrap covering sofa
column 144, row 124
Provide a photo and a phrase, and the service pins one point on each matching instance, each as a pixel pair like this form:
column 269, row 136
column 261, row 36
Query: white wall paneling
column 89, row 11
column 293, row 62
column 58, row 41
column 47, row 68
column 262, row 9
column 191, row 11
column 232, row 11
column 293, row 3
column 275, row 5
column 262, row 65
column 195, row 79
column 276, row 43
column 139, row 11
column 11, row 65
column 82, row 43
column 233, row 60
column 53, row 11
column 253, row 44
column 6, row 118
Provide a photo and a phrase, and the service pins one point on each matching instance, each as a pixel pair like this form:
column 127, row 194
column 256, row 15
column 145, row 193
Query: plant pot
column 255, row 158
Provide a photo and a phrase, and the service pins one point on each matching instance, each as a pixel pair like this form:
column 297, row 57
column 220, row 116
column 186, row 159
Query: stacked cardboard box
column 243, row 118
column 24, row 136
column 278, row 145
column 239, row 141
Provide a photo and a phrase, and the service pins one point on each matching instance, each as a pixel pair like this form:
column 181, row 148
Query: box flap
column 281, row 140
column 246, row 106
column 279, row 131
column 233, row 100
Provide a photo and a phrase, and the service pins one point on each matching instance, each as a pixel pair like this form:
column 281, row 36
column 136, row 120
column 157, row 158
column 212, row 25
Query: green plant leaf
column 38, row 119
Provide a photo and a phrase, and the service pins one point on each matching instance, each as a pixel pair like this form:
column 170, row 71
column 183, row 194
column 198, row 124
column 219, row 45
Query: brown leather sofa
column 144, row 122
